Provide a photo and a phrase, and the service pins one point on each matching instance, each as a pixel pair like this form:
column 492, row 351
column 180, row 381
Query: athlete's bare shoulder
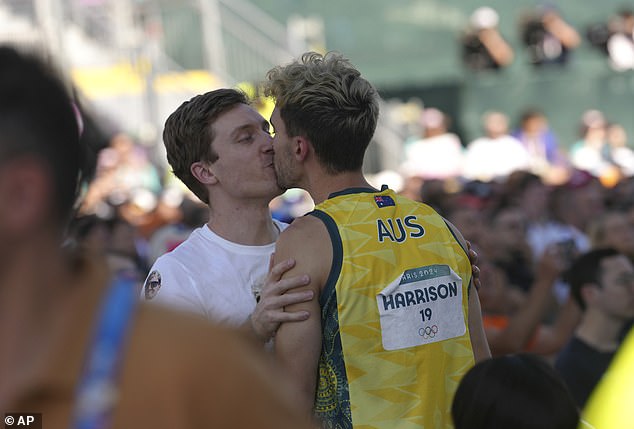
column 306, row 241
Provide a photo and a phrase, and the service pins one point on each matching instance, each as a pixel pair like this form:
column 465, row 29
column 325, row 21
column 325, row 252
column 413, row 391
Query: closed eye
column 246, row 139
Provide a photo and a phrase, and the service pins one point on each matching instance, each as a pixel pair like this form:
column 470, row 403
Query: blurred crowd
column 135, row 210
column 434, row 152
column 546, row 38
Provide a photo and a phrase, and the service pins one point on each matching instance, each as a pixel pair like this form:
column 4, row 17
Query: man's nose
column 267, row 143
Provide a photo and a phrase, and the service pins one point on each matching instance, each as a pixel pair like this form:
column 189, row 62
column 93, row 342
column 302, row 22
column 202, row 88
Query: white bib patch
column 422, row 306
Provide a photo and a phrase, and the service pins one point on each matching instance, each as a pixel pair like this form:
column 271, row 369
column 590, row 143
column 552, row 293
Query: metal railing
column 251, row 41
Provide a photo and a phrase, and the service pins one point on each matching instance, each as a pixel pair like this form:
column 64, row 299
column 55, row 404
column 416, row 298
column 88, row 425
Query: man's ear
column 26, row 194
column 302, row 147
column 203, row 173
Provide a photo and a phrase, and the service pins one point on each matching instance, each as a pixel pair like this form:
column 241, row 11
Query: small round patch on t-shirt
column 152, row 284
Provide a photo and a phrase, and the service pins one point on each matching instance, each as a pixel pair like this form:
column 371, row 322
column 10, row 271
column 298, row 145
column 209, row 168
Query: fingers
column 274, row 293
column 297, row 316
column 475, row 276
column 473, row 259
column 284, row 285
column 265, row 322
column 472, row 254
column 276, row 272
column 274, row 318
column 293, row 298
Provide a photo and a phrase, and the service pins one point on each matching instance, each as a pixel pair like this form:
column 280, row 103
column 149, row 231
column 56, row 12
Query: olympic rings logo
column 428, row 331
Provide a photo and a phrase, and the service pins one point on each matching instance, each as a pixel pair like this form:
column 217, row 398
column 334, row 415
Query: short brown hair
column 188, row 133
column 325, row 98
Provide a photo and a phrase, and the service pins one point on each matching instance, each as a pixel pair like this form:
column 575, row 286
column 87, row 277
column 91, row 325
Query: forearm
column 499, row 50
column 479, row 344
column 567, row 35
column 551, row 339
column 297, row 347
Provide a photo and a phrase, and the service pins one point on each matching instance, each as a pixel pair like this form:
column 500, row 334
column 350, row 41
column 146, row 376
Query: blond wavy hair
column 324, row 98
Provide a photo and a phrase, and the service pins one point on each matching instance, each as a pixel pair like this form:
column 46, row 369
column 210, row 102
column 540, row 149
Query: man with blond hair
column 400, row 323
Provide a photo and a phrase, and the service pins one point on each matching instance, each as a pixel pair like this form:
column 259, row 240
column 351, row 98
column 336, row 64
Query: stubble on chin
column 282, row 183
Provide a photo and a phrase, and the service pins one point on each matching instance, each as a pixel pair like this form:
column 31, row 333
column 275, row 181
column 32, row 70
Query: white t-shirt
column 437, row 157
column 210, row 276
column 488, row 159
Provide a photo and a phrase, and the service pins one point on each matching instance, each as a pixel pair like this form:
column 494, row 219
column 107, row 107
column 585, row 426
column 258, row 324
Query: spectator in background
column 438, row 155
column 123, row 172
column 467, row 213
column 569, row 216
column 528, row 192
column 620, row 44
column 510, row 248
column 592, row 153
column 122, row 253
column 412, row 187
column 549, row 215
column 621, row 197
column 547, row 36
column 294, row 203
column 610, row 405
column 613, row 229
column 602, row 283
column 434, row 193
column 514, row 320
column 192, row 214
column 497, row 154
column 518, row 391
column 483, row 47
column 619, row 152
column 540, row 142
column 579, row 201
column 112, row 238
column 88, row 232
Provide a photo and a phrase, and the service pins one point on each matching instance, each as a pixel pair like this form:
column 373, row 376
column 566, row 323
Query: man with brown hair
column 220, row 147
column 602, row 283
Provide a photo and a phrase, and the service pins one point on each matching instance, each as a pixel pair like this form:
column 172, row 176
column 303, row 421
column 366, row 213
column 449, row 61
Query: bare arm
column 566, row 34
column 269, row 311
column 527, row 320
column 479, row 342
column 500, row 51
column 551, row 339
column 298, row 345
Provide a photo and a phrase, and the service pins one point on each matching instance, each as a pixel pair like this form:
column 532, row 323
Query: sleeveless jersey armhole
column 337, row 252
